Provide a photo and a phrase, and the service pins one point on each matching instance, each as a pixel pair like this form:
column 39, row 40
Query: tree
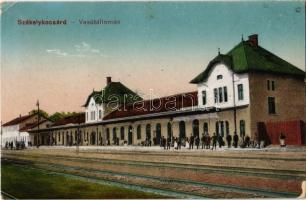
column 41, row 113
column 60, row 115
column 56, row 116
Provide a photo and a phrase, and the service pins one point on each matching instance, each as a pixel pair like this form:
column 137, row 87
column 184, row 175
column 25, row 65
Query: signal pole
column 38, row 135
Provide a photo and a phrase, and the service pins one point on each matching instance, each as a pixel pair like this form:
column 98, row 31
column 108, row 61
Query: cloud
column 80, row 50
column 57, row 52
column 86, row 48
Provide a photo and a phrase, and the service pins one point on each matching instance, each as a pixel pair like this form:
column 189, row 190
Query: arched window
column 217, row 128
column 122, row 133
column 148, row 131
column 114, row 133
column 93, row 138
column 158, row 133
column 222, row 128
column 100, row 138
column 205, row 127
column 227, row 128
column 130, row 135
column 242, row 128
column 80, row 138
column 76, row 135
column 182, row 133
column 169, row 130
column 107, row 134
column 139, row 132
column 68, row 138
column 195, row 128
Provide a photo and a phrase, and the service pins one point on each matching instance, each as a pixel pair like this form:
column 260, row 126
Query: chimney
column 253, row 39
column 108, row 80
column 19, row 115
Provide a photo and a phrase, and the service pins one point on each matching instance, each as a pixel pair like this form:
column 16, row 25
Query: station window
column 227, row 128
column 100, row 114
column 122, row 133
column 205, row 127
column 220, row 95
column 216, row 95
column 114, row 133
column 242, row 128
column 225, row 93
column 240, row 91
column 204, row 97
column 271, row 105
column 270, row 85
column 138, row 132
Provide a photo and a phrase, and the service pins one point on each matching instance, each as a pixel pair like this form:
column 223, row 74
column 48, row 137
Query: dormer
column 216, row 83
column 101, row 103
column 94, row 107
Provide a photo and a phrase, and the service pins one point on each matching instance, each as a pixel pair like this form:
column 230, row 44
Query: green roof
column 246, row 57
column 113, row 91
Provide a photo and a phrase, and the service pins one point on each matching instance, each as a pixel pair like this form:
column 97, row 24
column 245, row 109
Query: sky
column 158, row 46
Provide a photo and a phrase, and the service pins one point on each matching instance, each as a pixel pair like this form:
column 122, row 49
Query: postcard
column 153, row 99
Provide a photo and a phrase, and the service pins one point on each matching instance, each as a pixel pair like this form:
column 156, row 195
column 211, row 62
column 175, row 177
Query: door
column 130, row 135
column 158, row 133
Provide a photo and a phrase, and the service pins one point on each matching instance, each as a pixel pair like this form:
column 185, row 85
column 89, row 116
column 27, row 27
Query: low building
column 64, row 131
column 18, row 129
column 237, row 93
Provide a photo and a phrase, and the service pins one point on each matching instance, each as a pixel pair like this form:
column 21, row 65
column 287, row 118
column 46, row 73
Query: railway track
column 282, row 174
column 291, row 164
column 198, row 155
column 68, row 171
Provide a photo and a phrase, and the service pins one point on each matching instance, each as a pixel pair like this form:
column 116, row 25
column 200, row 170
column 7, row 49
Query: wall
column 99, row 131
column 289, row 94
column 293, row 131
column 92, row 106
column 9, row 133
column 227, row 80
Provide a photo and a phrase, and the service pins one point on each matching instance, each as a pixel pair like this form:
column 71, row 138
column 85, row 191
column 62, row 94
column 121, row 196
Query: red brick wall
column 294, row 131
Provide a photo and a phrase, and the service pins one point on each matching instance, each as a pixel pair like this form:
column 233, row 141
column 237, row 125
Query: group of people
column 207, row 142
column 16, row 145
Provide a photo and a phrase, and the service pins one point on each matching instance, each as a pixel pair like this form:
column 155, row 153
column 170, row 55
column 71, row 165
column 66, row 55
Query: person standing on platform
column 164, row 142
column 187, row 143
column 175, row 144
column 207, row 141
column 247, row 141
column 214, row 141
column 229, row 140
column 191, row 142
column 203, row 141
column 168, row 143
column 236, row 139
column 197, row 141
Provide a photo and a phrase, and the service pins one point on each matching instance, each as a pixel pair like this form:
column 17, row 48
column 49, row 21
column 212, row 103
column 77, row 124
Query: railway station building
column 248, row 91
